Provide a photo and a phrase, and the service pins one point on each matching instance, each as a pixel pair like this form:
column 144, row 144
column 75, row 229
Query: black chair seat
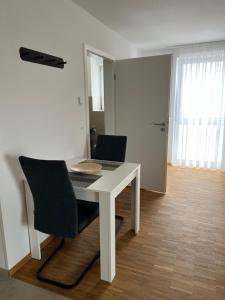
column 87, row 212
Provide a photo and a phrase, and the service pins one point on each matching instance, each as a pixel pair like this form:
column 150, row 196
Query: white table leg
column 135, row 202
column 33, row 233
column 107, row 236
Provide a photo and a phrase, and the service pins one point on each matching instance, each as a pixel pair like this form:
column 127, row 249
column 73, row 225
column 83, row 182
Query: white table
column 104, row 191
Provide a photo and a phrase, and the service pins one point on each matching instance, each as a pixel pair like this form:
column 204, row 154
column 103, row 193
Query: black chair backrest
column 111, row 147
column 55, row 204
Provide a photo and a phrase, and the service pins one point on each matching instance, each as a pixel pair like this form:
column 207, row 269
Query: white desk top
column 110, row 180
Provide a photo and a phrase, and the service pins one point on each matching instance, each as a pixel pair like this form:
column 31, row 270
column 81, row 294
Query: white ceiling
column 156, row 24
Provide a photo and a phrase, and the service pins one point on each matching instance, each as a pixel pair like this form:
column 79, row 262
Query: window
column 198, row 135
column 97, row 82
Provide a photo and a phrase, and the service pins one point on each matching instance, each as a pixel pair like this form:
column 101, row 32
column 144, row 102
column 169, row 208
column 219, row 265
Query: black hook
column 39, row 57
column 25, row 54
column 50, row 60
column 62, row 63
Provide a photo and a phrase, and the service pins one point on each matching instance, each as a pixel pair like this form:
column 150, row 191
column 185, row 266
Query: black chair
column 111, row 147
column 56, row 210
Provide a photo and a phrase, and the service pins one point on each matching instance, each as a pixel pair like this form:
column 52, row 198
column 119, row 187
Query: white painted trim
column 87, row 48
column 88, row 146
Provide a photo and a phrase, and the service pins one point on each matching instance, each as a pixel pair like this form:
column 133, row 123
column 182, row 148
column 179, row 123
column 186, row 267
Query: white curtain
column 197, row 135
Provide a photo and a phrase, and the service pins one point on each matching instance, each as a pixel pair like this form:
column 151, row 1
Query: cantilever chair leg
column 39, row 277
column 58, row 248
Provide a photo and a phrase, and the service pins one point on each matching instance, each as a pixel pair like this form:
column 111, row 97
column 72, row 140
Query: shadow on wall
column 17, row 175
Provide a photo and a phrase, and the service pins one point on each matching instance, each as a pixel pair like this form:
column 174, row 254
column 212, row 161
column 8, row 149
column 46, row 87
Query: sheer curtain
column 197, row 135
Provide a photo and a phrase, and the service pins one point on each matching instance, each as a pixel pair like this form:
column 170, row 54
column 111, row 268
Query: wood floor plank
column 179, row 252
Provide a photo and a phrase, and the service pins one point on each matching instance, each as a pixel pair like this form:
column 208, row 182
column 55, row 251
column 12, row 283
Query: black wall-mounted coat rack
column 41, row 58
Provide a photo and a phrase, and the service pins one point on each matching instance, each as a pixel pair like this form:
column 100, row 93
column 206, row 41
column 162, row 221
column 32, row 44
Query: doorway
column 96, row 99
column 99, row 82
column 136, row 100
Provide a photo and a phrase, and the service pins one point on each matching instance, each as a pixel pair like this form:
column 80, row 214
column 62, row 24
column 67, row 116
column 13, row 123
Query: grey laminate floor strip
column 13, row 289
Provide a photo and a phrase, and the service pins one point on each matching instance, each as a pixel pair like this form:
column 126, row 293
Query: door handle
column 163, row 124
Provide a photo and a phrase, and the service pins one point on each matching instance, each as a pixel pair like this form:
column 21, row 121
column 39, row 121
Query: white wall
column 39, row 113
column 2, row 248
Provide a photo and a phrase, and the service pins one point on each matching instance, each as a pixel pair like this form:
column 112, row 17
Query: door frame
column 89, row 49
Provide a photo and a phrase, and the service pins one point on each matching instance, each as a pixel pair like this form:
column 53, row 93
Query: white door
column 142, row 114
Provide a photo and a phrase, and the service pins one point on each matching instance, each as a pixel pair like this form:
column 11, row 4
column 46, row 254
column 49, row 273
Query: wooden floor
column 179, row 252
